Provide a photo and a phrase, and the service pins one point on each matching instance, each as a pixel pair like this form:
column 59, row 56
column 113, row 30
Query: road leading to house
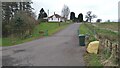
column 61, row 49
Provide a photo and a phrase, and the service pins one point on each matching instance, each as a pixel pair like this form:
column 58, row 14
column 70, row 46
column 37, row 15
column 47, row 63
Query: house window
column 52, row 18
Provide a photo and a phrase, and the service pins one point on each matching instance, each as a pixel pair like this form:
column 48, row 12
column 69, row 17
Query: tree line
column 18, row 19
column 89, row 16
column 75, row 19
column 65, row 13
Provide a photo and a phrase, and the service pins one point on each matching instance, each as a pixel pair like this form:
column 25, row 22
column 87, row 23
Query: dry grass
column 111, row 25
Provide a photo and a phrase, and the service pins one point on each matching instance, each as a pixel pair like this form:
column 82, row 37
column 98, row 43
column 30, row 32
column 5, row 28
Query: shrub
column 22, row 24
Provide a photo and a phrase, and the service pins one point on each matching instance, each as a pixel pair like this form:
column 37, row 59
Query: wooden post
column 59, row 23
column 78, row 31
column 110, row 47
column 116, row 53
column 100, row 46
column 107, row 43
column 102, row 43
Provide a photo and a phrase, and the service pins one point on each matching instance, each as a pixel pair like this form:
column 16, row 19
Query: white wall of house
column 55, row 19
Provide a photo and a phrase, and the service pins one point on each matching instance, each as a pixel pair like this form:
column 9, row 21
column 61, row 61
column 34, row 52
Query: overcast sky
column 104, row 9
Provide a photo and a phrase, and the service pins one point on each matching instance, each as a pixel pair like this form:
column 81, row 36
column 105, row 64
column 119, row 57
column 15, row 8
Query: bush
column 22, row 24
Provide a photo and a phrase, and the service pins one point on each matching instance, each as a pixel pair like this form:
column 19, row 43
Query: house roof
column 56, row 15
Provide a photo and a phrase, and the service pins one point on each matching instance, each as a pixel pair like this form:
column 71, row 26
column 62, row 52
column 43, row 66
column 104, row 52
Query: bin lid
column 81, row 35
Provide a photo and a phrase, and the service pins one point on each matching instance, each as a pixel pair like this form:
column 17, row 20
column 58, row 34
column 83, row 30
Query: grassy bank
column 91, row 59
column 88, row 28
column 85, row 30
column 49, row 28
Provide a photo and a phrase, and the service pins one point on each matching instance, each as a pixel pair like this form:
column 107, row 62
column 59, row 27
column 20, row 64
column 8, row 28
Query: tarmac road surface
column 61, row 49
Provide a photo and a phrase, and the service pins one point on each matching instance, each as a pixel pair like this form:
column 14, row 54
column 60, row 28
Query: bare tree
column 89, row 16
column 65, row 12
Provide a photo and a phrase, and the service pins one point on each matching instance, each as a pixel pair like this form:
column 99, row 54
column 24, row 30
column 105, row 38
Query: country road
column 61, row 49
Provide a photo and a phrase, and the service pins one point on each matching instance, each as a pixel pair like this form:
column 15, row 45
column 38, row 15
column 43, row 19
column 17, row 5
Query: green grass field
column 51, row 27
column 88, row 28
column 105, row 33
column 108, row 25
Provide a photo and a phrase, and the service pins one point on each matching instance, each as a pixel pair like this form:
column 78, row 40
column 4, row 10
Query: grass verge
column 91, row 59
column 85, row 30
column 51, row 27
column 0, row 41
column 94, row 59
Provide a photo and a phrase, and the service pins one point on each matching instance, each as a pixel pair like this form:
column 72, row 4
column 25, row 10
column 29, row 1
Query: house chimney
column 54, row 13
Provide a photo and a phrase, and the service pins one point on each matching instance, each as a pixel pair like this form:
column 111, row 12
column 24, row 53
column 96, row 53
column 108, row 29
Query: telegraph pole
column 48, row 15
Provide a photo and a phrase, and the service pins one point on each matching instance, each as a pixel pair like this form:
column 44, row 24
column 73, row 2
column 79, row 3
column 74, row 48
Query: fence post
column 110, row 47
column 106, row 42
column 46, row 33
column 116, row 53
column 100, row 46
column 78, row 31
column 103, row 42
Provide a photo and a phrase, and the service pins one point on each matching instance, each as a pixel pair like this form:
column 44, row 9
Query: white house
column 56, row 18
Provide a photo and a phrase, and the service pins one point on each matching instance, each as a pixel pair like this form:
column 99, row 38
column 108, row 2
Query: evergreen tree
column 72, row 16
column 98, row 20
column 80, row 17
column 42, row 14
